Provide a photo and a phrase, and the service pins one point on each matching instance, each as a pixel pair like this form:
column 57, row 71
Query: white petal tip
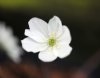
column 68, row 52
column 44, row 57
column 55, row 18
column 24, row 45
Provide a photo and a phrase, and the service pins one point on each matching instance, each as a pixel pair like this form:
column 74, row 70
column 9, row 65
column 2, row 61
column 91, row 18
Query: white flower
column 52, row 39
column 9, row 43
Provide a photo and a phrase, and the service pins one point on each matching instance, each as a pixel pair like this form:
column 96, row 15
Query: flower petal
column 31, row 46
column 35, row 35
column 55, row 26
column 62, row 51
column 39, row 25
column 66, row 36
column 47, row 56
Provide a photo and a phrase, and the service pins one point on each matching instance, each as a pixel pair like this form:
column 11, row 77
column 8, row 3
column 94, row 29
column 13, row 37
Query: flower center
column 52, row 42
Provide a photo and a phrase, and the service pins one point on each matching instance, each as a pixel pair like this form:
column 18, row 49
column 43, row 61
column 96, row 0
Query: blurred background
column 82, row 18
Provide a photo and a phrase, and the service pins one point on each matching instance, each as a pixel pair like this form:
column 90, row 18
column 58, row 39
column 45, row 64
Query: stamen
column 52, row 42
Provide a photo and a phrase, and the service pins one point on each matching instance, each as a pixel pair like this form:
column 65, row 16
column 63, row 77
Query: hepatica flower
column 50, row 39
column 9, row 43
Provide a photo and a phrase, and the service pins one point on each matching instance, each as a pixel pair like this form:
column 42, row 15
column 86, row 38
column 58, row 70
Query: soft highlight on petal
column 55, row 26
column 65, row 36
column 37, row 24
column 35, row 35
column 31, row 46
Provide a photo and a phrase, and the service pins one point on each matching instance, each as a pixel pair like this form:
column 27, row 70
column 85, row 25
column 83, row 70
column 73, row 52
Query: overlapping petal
column 62, row 51
column 55, row 26
column 35, row 35
column 47, row 55
column 32, row 46
column 36, row 24
column 65, row 36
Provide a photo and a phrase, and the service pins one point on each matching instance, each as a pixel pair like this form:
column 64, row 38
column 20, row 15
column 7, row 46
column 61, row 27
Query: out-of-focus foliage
column 13, row 4
column 55, row 4
column 25, row 3
column 84, row 9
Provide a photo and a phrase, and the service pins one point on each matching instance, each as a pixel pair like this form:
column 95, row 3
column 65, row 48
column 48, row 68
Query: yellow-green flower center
column 52, row 42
